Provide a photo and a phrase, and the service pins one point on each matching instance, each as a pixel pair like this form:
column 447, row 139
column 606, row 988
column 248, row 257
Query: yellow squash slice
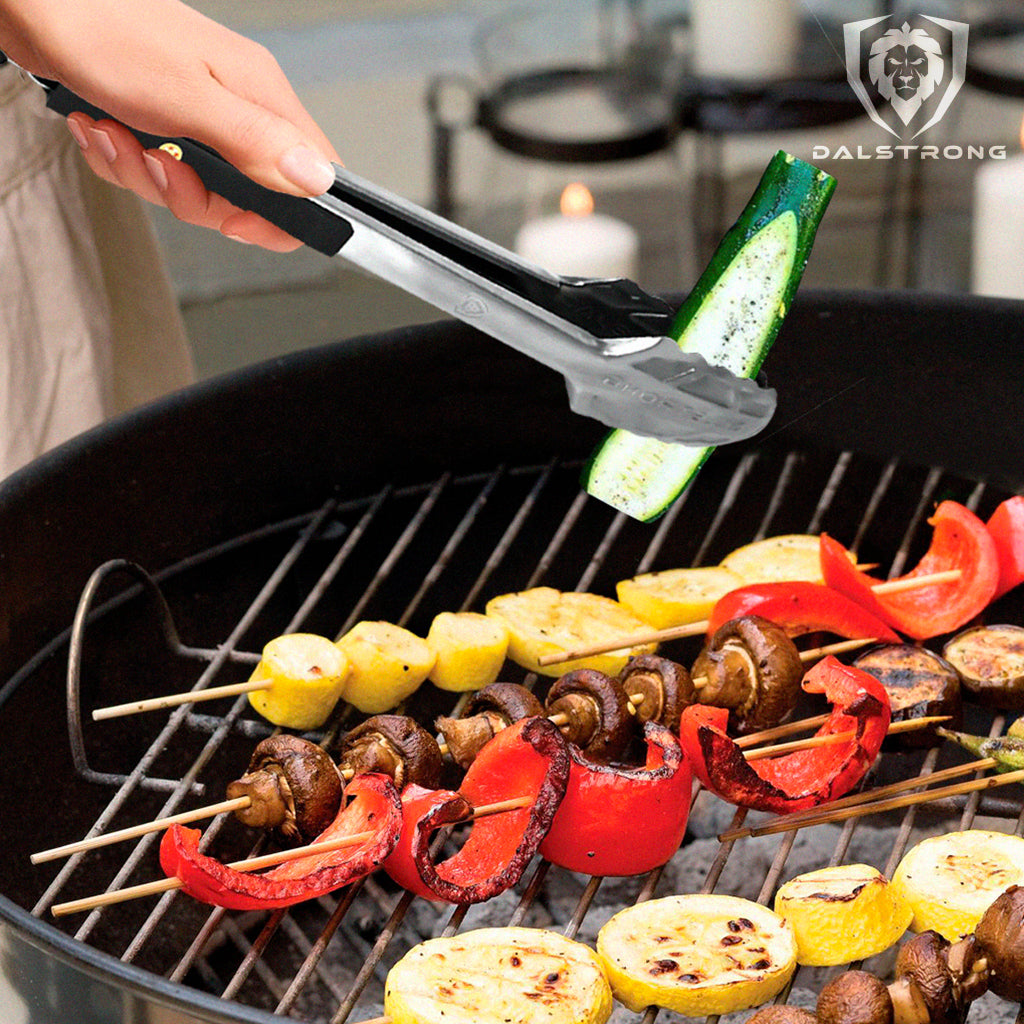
column 386, row 664
column 697, row 955
column 841, row 914
column 674, row 597
column 496, row 976
column 469, row 650
column 305, row 676
column 949, row 881
column 789, row 556
column 544, row 621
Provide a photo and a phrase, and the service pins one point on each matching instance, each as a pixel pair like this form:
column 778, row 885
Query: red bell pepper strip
column 622, row 821
column 800, row 607
column 1006, row 527
column 529, row 758
column 960, row 540
column 376, row 808
column 805, row 778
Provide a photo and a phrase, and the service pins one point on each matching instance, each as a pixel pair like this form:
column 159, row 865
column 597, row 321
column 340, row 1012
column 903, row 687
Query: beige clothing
column 89, row 326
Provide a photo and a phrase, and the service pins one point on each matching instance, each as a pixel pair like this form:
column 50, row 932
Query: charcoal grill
column 393, row 477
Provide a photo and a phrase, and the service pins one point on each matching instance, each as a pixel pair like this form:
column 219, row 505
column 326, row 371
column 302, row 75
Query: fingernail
column 104, row 143
column 156, row 171
column 236, row 238
column 79, row 133
column 310, row 171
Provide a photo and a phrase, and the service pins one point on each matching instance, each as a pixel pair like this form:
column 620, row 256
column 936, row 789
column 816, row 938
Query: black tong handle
column 303, row 219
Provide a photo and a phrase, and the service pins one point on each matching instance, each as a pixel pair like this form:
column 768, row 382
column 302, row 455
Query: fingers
column 116, row 155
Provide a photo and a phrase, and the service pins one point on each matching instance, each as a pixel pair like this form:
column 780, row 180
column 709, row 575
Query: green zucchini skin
column 770, row 243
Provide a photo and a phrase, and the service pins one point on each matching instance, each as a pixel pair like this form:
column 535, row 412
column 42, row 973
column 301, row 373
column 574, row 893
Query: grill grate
column 403, row 555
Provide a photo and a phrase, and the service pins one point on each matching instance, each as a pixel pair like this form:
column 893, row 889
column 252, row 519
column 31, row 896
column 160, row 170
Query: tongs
column 608, row 338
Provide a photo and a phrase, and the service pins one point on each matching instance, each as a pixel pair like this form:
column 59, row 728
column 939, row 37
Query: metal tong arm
column 451, row 268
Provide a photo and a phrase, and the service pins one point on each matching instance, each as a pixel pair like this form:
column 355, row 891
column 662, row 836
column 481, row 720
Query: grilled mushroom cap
column 665, row 685
column 1000, row 939
column 782, row 1013
column 396, row 746
column 855, row 997
column 491, row 710
column 293, row 787
column 596, row 711
column 923, row 974
column 753, row 668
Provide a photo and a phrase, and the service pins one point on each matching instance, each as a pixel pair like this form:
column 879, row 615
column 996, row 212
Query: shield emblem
column 906, row 73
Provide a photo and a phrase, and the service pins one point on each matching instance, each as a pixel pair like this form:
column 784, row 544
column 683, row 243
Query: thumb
column 269, row 148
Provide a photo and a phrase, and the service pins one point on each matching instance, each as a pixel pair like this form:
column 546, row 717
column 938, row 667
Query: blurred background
column 665, row 110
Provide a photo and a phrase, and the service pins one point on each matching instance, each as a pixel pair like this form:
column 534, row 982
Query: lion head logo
column 906, row 66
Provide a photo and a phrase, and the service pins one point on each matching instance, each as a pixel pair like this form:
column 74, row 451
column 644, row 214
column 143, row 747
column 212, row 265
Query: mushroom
column 782, row 1013
column 855, row 997
column 665, row 686
column 751, row 667
column 1000, row 939
column 491, row 710
column 595, row 713
column 396, row 746
column 935, row 981
column 293, row 787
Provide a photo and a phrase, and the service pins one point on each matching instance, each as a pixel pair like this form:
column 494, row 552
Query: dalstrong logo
column 906, row 75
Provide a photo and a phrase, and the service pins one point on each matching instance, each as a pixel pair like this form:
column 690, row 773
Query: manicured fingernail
column 310, row 171
column 79, row 133
column 104, row 143
column 156, row 171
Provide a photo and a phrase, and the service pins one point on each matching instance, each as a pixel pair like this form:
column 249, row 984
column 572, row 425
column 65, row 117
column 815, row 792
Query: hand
column 163, row 68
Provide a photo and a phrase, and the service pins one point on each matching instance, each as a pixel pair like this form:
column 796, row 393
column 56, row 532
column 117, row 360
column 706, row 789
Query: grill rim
column 160, row 417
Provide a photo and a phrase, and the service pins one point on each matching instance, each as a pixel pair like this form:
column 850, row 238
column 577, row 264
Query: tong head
column 637, row 378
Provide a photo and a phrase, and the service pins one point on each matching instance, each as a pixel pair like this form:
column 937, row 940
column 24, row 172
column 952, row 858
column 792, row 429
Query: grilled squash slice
column 498, row 976
column 789, row 556
column 469, row 650
column 386, row 664
column 305, row 675
column 544, row 621
column 674, row 597
column 949, row 881
column 842, row 913
column 697, row 954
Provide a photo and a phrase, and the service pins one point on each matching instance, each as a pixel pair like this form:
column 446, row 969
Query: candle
column 577, row 242
column 744, row 39
column 997, row 264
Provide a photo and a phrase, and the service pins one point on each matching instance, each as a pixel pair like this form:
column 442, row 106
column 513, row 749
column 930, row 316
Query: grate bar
column 166, row 734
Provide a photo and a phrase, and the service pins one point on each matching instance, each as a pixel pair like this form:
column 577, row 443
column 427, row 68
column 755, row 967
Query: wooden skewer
column 134, row 831
column 864, row 797
column 171, row 700
column 811, row 654
column 654, row 636
column 829, row 815
column 256, row 863
column 827, row 739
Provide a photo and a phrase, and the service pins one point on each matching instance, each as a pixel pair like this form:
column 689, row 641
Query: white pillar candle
column 997, row 263
column 745, row 39
column 579, row 242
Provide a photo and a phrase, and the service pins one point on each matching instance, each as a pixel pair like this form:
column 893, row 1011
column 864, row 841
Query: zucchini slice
column 730, row 318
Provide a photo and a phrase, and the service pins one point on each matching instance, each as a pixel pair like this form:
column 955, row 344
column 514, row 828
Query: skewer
column 172, row 700
column 810, row 742
column 240, row 803
column 135, row 831
column 256, row 863
column 832, row 815
column 864, row 797
column 811, row 654
column 654, row 636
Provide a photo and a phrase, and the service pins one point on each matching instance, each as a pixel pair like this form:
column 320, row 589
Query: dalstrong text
column 893, row 152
